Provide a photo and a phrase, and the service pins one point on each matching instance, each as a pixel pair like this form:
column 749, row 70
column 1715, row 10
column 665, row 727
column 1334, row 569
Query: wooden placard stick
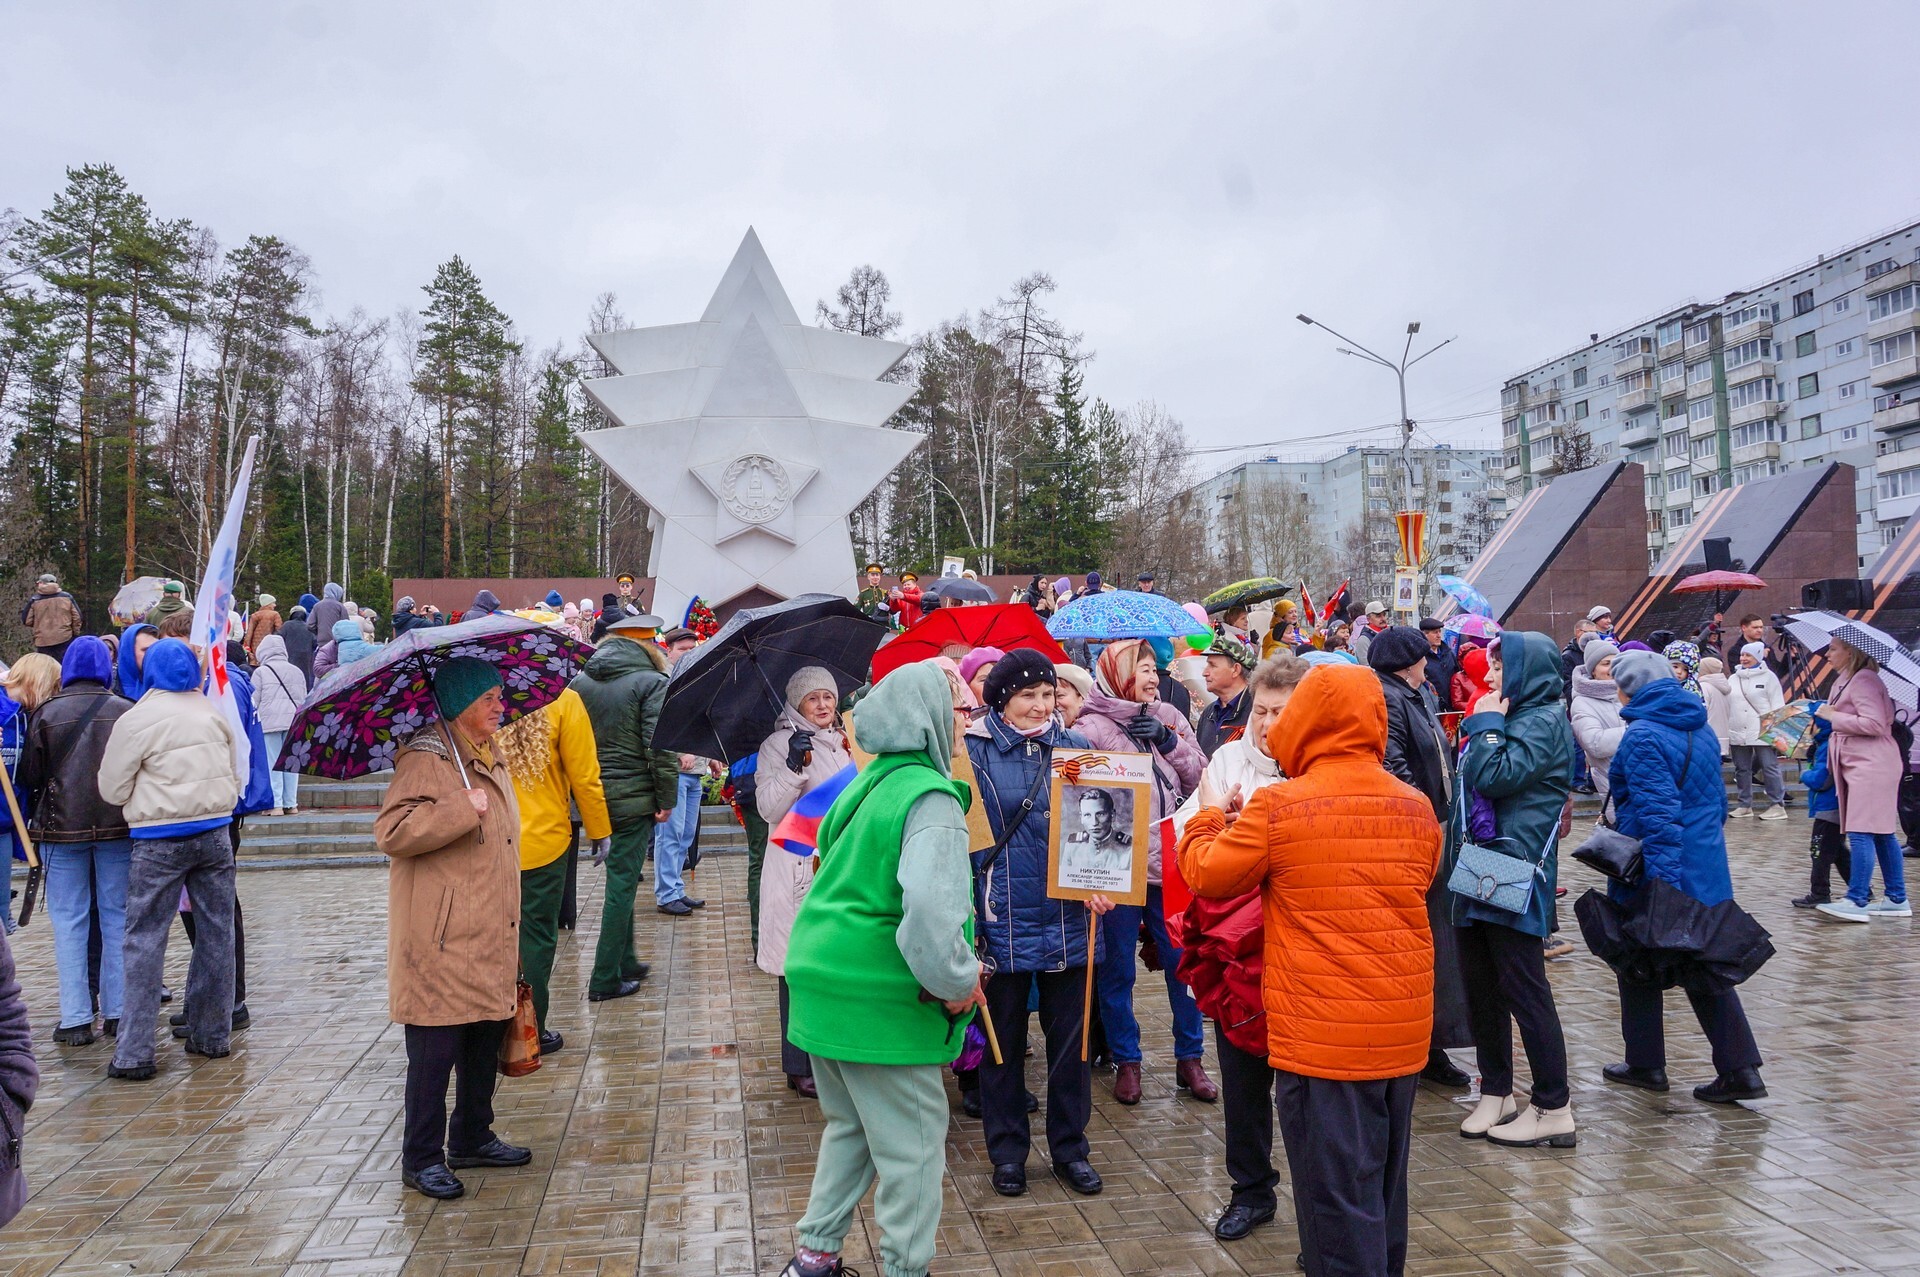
column 1086, row 1009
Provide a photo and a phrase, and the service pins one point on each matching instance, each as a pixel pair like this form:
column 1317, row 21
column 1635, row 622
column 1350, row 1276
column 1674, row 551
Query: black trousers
column 1003, row 1087
column 1506, row 976
column 1722, row 1019
column 239, row 925
column 1347, row 1146
column 793, row 1061
column 1830, row 852
column 1246, row 1110
column 468, row 1052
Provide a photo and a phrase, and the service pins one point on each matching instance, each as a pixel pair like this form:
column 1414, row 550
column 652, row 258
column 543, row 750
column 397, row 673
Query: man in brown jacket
column 53, row 617
column 264, row 621
column 451, row 828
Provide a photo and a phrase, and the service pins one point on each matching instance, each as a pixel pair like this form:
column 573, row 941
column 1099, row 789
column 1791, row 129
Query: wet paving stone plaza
column 665, row 1139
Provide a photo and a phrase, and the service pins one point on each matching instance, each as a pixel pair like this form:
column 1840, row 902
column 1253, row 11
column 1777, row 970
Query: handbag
column 1494, row 877
column 520, row 1048
column 1618, row 855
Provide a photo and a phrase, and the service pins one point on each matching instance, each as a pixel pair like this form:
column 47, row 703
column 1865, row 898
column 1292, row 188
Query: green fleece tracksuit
column 889, row 914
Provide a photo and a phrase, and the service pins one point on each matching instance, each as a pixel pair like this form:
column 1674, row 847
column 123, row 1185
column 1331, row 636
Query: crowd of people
column 1327, row 797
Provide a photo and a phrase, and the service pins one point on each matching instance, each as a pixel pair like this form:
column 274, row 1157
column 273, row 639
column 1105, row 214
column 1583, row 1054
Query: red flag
column 1306, row 607
column 1337, row 605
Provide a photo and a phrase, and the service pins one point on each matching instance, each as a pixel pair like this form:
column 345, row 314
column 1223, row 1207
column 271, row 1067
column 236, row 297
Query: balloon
column 1200, row 642
column 1199, row 614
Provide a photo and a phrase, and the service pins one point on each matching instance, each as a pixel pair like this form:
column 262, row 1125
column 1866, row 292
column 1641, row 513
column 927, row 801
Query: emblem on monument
column 755, row 488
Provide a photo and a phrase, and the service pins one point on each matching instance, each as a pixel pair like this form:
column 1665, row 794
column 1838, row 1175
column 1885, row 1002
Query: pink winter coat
column 1179, row 770
column 1866, row 763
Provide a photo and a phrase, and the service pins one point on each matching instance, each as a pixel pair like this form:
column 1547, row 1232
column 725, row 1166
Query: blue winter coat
column 257, row 793
column 1677, row 808
column 1818, row 776
column 1521, row 762
column 1021, row 928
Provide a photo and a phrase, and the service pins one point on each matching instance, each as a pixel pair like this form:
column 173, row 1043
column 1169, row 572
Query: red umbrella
column 1719, row 582
column 1002, row 625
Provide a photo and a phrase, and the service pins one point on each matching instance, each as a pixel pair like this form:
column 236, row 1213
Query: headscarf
column 1473, row 663
column 952, row 669
column 1115, row 672
column 1687, row 656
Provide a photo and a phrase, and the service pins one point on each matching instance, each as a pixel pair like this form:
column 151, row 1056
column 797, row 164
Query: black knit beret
column 1396, row 647
column 1016, row 671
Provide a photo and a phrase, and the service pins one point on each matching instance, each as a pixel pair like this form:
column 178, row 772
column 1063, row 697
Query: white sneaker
column 1488, row 1113
column 1844, row 911
column 1738, row 812
column 1888, row 909
column 1775, row 812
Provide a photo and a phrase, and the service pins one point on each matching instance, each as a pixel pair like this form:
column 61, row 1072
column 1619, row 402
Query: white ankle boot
column 1489, row 1112
column 1537, row 1126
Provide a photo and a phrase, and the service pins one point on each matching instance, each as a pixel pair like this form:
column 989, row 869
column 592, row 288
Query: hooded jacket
column 128, row 668
column 278, row 685
column 1470, row 681
column 1597, row 724
column 485, row 603
column 327, row 612
column 168, row 764
column 1342, row 854
column 1675, row 804
column 1822, row 803
column 350, row 634
column 65, row 741
column 624, row 685
column 1716, row 690
column 890, row 908
column 256, row 792
column 1522, row 762
column 1021, row 927
column 785, row 877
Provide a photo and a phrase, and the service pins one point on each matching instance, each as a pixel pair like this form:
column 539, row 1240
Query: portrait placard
column 1101, row 807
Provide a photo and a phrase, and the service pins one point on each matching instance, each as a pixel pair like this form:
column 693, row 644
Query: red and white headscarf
column 1116, row 671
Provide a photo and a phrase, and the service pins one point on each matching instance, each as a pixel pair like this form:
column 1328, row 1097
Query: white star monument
column 751, row 437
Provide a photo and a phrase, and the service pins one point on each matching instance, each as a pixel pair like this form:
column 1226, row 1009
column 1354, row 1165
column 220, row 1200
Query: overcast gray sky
column 1513, row 175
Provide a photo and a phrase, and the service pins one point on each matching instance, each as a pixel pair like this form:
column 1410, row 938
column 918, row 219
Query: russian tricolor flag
column 799, row 830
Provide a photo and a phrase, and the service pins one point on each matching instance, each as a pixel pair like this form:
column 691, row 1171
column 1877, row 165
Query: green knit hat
column 461, row 682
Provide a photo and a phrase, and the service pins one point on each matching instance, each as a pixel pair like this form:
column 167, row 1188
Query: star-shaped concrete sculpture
column 751, row 437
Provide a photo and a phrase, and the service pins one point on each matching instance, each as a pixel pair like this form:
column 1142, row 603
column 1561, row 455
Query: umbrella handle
column 447, row 732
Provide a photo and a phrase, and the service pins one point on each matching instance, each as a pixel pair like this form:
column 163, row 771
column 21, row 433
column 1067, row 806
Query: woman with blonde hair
column 551, row 756
column 26, row 686
column 1866, row 767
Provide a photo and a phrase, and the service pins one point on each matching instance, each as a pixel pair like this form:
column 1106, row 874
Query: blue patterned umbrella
column 1123, row 614
column 1470, row 599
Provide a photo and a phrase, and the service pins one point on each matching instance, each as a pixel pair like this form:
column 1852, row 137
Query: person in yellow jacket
column 552, row 758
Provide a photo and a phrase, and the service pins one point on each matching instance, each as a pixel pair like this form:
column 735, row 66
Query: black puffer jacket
column 60, row 764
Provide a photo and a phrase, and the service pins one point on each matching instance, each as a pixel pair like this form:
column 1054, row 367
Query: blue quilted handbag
column 1495, row 878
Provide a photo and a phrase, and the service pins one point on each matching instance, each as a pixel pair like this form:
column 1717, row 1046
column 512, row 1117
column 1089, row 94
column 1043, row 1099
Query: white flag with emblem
column 213, row 610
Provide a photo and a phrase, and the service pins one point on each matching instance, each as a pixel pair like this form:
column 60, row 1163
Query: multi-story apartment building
column 1819, row 364
column 1463, row 491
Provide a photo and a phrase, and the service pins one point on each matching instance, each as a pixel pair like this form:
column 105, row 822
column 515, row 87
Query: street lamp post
column 1399, row 370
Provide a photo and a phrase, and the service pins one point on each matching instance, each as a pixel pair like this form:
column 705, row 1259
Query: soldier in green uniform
column 873, row 599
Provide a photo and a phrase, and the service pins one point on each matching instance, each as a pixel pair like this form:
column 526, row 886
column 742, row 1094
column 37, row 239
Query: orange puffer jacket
column 1343, row 855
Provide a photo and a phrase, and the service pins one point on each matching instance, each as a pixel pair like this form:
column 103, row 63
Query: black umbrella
column 963, row 588
column 723, row 698
column 1665, row 937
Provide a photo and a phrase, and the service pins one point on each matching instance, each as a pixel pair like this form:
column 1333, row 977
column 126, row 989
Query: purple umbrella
column 360, row 715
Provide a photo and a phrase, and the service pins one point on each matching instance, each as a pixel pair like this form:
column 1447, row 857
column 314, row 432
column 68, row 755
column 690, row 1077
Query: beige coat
column 785, row 877
column 453, row 887
column 169, row 761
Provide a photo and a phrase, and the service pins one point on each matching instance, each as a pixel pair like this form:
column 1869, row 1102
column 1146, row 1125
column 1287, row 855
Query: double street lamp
column 1399, row 370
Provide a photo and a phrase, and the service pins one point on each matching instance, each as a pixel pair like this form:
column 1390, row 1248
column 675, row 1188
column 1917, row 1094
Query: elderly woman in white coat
column 806, row 748
column 1595, row 711
column 1756, row 693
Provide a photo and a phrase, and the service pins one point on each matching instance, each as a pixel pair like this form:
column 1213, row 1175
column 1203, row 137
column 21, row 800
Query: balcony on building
column 1701, row 429
column 1901, row 322
column 1767, row 450
column 1637, row 400
column 1761, row 327
column 1640, row 432
column 1671, row 462
column 1666, row 350
column 1634, row 361
column 1897, row 410
column 1897, row 371
column 1758, row 410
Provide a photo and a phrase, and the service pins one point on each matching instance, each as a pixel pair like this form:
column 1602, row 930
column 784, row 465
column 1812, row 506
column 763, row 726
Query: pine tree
column 463, row 348
column 152, row 257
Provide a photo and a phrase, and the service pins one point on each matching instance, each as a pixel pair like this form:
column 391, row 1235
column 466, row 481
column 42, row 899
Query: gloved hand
column 1144, row 730
column 597, row 850
column 798, row 746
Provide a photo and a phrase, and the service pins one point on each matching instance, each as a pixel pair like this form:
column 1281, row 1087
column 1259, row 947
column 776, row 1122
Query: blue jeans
column 673, row 838
column 1115, row 976
column 286, row 785
column 1865, row 849
column 79, row 875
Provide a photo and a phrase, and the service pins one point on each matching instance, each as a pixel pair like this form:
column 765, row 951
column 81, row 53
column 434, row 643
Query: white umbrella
column 1815, row 630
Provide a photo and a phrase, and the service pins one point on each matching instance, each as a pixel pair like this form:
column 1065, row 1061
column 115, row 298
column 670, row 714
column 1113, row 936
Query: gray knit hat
column 1634, row 670
column 1595, row 652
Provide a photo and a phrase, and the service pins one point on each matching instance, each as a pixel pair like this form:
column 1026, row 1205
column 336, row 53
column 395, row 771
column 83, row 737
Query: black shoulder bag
column 1615, row 854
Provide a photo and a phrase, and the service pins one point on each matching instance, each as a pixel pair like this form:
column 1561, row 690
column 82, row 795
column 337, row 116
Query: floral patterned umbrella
column 360, row 715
